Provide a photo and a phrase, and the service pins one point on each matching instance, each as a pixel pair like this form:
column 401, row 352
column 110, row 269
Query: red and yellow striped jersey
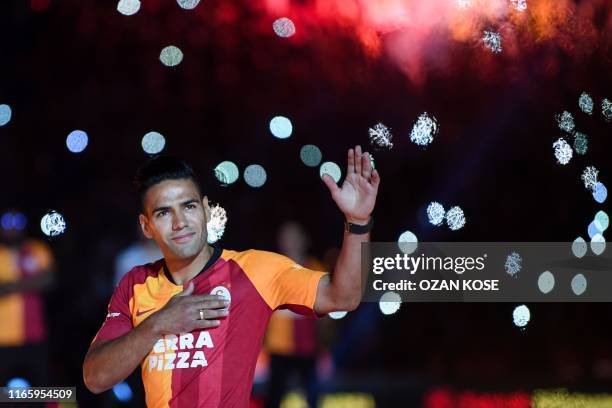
column 213, row 367
column 22, row 318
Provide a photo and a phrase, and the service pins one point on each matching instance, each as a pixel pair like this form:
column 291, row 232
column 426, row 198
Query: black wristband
column 359, row 229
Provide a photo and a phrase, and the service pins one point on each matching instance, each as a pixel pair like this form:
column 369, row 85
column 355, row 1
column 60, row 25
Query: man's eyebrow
column 191, row 201
column 168, row 208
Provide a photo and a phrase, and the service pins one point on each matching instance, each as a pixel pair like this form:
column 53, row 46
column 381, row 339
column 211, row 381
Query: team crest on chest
column 222, row 291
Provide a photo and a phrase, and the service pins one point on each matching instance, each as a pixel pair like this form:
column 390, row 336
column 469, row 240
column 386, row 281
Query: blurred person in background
column 291, row 339
column 140, row 252
column 26, row 271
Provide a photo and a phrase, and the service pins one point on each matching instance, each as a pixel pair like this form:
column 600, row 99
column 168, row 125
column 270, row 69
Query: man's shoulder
column 140, row 273
column 251, row 256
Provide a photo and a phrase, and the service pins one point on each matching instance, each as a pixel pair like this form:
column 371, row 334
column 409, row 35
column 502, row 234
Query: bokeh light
column 435, row 213
column 606, row 109
column 122, row 391
column 153, row 143
column 455, row 219
column 579, row 284
column 255, row 175
column 18, row 382
column 171, row 56
column 589, row 177
column 389, row 303
column 227, row 172
column 581, row 143
column 424, row 130
column 546, row 282
column 492, row 41
column 16, row 221
column 565, row 121
column 337, row 315
column 521, row 316
column 77, row 141
column 563, row 151
column 380, row 137
column 585, row 103
column 331, row 169
column 128, row 7
column 593, row 230
column 19, row 221
column 579, row 247
column 281, row 127
column 600, row 192
column 7, row 221
column 514, row 263
column 5, row 114
column 407, row 242
column 598, row 244
column 188, row 4
column 53, row 224
column 216, row 226
column 311, row 155
column 283, row 27
column 602, row 221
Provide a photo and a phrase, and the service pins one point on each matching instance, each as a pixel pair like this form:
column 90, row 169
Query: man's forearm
column 109, row 363
column 346, row 280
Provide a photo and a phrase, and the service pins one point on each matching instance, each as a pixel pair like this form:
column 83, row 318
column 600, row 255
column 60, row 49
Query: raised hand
column 357, row 196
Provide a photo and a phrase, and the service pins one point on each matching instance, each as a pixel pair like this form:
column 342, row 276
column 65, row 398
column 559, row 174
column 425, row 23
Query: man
column 195, row 319
column 291, row 340
column 26, row 271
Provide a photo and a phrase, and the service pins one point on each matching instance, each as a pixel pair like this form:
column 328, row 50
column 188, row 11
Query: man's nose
column 179, row 222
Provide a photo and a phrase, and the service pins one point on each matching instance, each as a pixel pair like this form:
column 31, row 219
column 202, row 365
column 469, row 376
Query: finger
column 367, row 166
column 198, row 299
column 214, row 304
column 206, row 298
column 351, row 162
column 213, row 314
column 206, row 324
column 330, row 183
column 187, row 291
column 375, row 180
column 358, row 159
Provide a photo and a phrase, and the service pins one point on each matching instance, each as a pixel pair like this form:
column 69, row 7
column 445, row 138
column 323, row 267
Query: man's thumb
column 330, row 183
column 188, row 290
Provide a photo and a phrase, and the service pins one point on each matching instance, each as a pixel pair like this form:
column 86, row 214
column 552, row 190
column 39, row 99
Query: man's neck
column 183, row 270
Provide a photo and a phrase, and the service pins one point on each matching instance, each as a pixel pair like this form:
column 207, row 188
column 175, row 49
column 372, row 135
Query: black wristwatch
column 359, row 229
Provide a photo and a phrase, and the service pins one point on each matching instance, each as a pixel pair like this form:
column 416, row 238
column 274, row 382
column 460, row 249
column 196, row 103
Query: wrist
column 358, row 221
column 358, row 226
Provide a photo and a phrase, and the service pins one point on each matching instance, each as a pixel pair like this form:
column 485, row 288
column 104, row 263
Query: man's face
column 175, row 217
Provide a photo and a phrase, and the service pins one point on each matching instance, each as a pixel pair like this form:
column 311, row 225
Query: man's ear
column 206, row 208
column 144, row 225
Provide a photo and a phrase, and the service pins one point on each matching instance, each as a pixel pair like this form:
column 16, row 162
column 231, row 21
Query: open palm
column 357, row 196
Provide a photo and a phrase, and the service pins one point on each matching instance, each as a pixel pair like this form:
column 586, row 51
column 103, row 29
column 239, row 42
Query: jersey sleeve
column 282, row 282
column 118, row 319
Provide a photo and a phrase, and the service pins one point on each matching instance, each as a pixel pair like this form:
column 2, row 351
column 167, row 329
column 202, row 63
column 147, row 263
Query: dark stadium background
column 78, row 64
